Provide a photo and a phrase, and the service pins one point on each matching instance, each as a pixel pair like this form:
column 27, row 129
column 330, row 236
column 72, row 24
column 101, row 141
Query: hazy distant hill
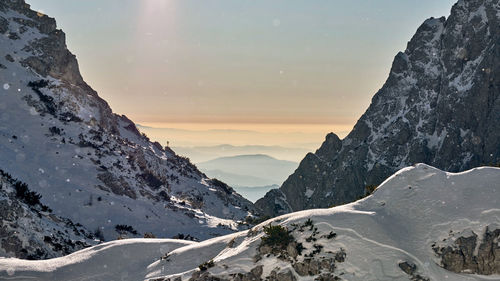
column 254, row 193
column 237, row 180
column 249, row 170
column 205, row 153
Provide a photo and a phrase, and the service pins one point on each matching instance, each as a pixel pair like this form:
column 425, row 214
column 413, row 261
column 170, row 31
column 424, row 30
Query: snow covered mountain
column 88, row 164
column 420, row 224
column 440, row 106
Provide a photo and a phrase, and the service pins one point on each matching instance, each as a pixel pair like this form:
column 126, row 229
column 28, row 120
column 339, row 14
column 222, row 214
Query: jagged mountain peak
column 330, row 146
column 440, row 105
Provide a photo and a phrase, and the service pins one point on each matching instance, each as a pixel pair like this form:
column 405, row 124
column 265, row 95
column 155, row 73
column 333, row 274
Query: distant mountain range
column 249, row 170
column 254, row 193
column 199, row 154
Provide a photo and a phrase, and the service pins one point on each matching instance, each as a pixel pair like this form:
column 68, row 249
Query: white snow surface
column 411, row 210
column 117, row 260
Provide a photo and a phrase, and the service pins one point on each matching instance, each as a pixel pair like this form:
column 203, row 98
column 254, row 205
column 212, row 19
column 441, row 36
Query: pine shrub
column 277, row 236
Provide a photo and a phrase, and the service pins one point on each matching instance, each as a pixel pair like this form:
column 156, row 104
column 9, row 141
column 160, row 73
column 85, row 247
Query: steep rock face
column 440, row 105
column 87, row 163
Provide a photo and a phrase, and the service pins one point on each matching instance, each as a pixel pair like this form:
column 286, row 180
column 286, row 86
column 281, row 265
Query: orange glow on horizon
column 256, row 127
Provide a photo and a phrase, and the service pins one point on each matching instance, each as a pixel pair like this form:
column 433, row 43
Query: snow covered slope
column 90, row 165
column 117, row 260
column 398, row 233
column 30, row 230
column 440, row 105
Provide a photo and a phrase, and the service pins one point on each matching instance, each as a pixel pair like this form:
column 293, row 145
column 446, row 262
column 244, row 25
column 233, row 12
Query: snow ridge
column 390, row 235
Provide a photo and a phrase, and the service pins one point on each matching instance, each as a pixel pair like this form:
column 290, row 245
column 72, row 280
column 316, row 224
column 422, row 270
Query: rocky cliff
column 87, row 163
column 440, row 105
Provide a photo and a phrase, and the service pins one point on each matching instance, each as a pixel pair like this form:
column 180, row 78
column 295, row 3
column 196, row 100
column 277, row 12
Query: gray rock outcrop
column 469, row 254
column 411, row 270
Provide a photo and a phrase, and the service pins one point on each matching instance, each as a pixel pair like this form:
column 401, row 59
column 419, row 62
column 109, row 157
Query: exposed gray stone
column 265, row 250
column 9, row 58
column 408, row 268
column 340, row 256
column 312, row 267
column 291, row 250
column 13, row 36
column 327, row 277
column 166, row 279
column 281, row 276
column 257, row 271
column 411, row 270
column 116, row 185
column 56, row 60
column 466, row 257
column 44, row 23
column 4, row 25
column 205, row 276
column 254, row 275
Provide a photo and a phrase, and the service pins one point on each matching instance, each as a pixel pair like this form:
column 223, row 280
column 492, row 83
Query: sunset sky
column 171, row 62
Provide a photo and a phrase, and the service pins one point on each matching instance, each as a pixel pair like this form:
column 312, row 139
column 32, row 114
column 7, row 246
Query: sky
column 228, row 64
